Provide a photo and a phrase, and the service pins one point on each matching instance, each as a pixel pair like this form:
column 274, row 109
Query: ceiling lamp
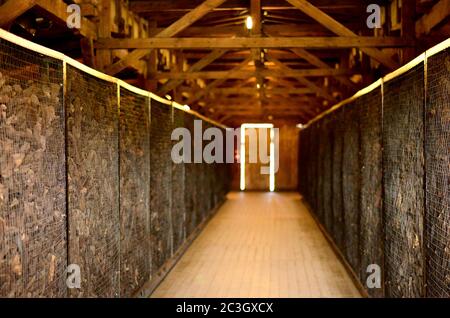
column 249, row 23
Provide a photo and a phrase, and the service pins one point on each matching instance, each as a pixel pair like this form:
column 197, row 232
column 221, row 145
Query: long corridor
column 259, row 245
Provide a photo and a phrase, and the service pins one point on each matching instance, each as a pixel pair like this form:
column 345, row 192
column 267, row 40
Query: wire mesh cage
column 403, row 183
column 351, row 182
column 371, row 231
column 161, row 177
column 190, row 182
column 33, row 256
column 337, row 185
column 93, row 174
column 326, row 172
column 178, row 189
column 134, row 192
column 437, row 166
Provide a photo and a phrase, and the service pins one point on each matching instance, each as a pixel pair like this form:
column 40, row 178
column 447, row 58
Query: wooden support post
column 408, row 28
column 104, row 31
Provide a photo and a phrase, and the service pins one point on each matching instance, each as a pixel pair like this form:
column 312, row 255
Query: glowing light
column 299, row 126
column 272, row 163
column 169, row 97
column 186, row 107
column 258, row 86
column 249, row 23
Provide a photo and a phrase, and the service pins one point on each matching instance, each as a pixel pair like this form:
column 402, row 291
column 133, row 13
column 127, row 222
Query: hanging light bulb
column 249, row 23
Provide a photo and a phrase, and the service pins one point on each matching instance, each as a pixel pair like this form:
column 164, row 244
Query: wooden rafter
column 217, row 82
column 303, row 81
column 243, row 74
column 12, row 9
column 437, row 14
column 188, row 19
column 341, row 30
column 58, row 9
column 253, row 90
column 313, row 60
column 363, row 42
column 208, row 59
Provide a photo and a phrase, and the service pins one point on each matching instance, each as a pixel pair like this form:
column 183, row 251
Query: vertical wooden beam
column 152, row 64
column 87, row 51
column 104, row 31
column 408, row 28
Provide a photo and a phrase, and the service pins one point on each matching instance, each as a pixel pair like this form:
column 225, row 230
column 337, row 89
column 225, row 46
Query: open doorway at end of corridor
column 258, row 157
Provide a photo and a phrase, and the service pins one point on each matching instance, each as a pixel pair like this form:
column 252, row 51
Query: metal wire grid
column 161, row 223
column 33, row 255
column 337, row 195
column 134, row 192
column 93, row 174
column 327, row 179
column 178, row 188
column 371, row 231
column 351, row 183
column 403, row 183
column 437, row 165
column 190, row 181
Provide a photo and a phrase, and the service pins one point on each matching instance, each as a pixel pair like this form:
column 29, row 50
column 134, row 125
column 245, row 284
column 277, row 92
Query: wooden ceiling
column 299, row 59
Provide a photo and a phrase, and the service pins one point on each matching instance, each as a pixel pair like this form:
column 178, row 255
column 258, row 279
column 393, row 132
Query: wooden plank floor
column 259, row 245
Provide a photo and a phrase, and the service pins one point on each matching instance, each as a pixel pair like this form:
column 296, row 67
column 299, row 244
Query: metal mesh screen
column 351, row 183
column 370, row 232
column 327, row 175
column 33, row 256
column 437, row 166
column 389, row 152
column 134, row 192
column 190, row 182
column 403, row 183
column 93, row 163
column 87, row 179
column 161, row 222
column 178, row 189
column 337, row 186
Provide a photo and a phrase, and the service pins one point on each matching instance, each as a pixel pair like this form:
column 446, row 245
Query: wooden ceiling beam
column 437, row 14
column 303, row 81
column 253, row 90
column 341, row 30
column 243, row 74
column 142, row 45
column 12, row 9
column 216, row 82
column 201, row 64
column 176, row 27
column 230, row 5
column 313, row 60
column 281, row 30
column 58, row 9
